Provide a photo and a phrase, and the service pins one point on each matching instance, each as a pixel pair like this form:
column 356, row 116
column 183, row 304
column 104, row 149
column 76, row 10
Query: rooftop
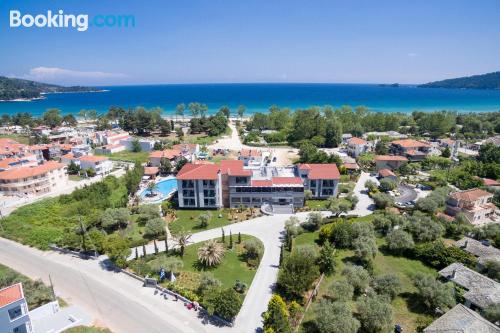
column 167, row 153
column 390, row 158
column 481, row 290
column 478, row 249
column 490, row 182
column 356, row 141
column 250, row 153
column 93, row 158
column 25, row 172
column 321, row 171
column 470, row 195
column 461, row 319
column 198, row 172
column 386, row 173
column 151, row 171
column 410, row 143
column 11, row 294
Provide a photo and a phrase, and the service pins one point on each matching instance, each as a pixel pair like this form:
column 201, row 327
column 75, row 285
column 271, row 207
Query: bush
column 223, row 302
column 335, row 317
column 382, row 200
column 388, row 285
column 437, row 255
column 276, row 318
column 358, row 277
column 207, row 282
column 399, row 241
column 434, row 294
column 297, row 274
column 341, row 291
column 387, row 184
column 375, row 314
column 253, row 251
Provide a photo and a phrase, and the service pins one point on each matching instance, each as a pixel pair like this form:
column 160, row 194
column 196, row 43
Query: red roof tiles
column 356, row 141
column 470, row 195
column 167, row 153
column 386, row 173
column 321, row 171
column 25, row 172
column 390, row 158
column 11, row 294
column 410, row 143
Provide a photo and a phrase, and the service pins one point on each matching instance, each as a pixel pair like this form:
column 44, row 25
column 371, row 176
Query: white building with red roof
column 321, row 179
column 100, row 164
column 35, row 180
column 172, row 155
column 475, row 204
column 230, row 184
column 357, row 146
column 14, row 313
column 414, row 150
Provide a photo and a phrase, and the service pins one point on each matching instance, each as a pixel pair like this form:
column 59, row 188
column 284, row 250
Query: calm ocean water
column 258, row 97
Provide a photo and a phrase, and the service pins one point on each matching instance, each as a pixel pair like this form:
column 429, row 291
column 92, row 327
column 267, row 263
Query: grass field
column 187, row 220
column 317, row 204
column 17, row 137
column 406, row 312
column 142, row 156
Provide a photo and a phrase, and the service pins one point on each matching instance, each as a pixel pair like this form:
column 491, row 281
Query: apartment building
column 110, row 137
column 475, row 204
column 35, row 180
column 100, row 164
column 14, row 315
column 321, row 179
column 231, row 184
column 414, row 150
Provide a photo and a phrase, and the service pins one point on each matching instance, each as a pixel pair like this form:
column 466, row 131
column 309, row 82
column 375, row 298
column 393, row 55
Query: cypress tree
column 136, row 254
column 223, row 236
column 156, row 247
column 166, row 244
column 230, row 239
column 239, row 237
column 144, row 250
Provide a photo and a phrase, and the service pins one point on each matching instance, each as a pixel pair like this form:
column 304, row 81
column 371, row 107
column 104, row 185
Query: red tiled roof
column 321, row 171
column 11, row 294
column 287, row 181
column 93, row 158
column 410, row 143
column 390, row 158
column 198, row 171
column 490, row 182
column 167, row 153
column 6, row 162
column 386, row 173
column 151, row 171
column 262, row 183
column 414, row 152
column 25, row 172
column 470, row 195
column 234, row 168
column 251, row 153
column 69, row 156
column 356, row 141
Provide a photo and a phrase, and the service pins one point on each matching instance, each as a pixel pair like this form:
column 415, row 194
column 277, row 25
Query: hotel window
column 187, row 183
column 313, row 183
column 209, row 202
column 328, row 182
column 241, row 180
column 189, row 202
column 209, row 193
column 209, row 183
column 236, row 200
column 327, row 192
column 245, row 199
column 15, row 312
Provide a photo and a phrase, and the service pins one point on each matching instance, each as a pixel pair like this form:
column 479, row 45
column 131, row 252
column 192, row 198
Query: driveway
column 365, row 204
column 269, row 230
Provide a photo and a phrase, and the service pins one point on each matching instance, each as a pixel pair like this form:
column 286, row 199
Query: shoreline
column 42, row 97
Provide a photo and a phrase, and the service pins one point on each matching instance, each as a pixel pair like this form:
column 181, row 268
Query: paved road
column 365, row 205
column 114, row 299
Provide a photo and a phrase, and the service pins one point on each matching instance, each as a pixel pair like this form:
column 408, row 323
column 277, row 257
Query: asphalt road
column 113, row 299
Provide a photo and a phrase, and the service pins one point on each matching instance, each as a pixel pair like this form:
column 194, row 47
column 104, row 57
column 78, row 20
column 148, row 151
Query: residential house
column 491, row 183
column 461, row 319
column 412, row 149
column 100, row 164
column 483, row 251
column 173, row 155
column 14, row 313
column 11, row 148
column 387, row 134
column 188, row 149
column 321, row 179
column 351, row 167
column 346, row 137
column 387, row 173
column 475, row 204
column 145, row 144
column 481, row 290
column 390, row 162
column 35, row 180
column 110, row 137
column 357, row 146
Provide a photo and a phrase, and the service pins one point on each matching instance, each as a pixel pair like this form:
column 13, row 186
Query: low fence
column 309, row 301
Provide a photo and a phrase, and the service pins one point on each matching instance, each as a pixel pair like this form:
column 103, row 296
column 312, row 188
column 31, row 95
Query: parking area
column 405, row 194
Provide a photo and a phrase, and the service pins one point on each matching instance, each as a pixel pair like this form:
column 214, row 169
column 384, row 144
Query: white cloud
column 62, row 75
column 413, row 54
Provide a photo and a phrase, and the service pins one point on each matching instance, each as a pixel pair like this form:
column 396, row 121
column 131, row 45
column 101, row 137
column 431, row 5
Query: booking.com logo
column 59, row 19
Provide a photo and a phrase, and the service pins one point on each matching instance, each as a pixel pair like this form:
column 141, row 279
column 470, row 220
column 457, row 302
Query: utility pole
column 52, row 288
column 82, row 232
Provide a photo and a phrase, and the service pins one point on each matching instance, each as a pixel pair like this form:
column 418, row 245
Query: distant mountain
column 18, row 89
column 483, row 81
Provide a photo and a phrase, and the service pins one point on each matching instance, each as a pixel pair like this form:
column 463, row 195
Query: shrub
column 341, row 291
column 375, row 314
column 399, row 241
column 382, row 200
column 388, row 285
column 223, row 302
column 335, row 317
column 357, row 276
column 434, row 294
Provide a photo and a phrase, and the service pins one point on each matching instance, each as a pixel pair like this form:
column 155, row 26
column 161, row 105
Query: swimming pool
column 165, row 187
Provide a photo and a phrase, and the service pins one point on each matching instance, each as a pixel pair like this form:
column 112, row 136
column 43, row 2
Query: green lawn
column 406, row 312
column 187, row 220
column 317, row 204
column 232, row 268
column 87, row 329
column 17, row 137
column 129, row 156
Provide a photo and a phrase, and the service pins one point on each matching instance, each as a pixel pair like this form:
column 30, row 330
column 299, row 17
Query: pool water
column 165, row 187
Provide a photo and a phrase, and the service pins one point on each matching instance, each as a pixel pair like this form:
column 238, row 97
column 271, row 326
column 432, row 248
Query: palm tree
column 182, row 241
column 152, row 187
column 211, row 253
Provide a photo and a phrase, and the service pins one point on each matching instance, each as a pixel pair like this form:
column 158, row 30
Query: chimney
column 453, row 274
column 465, row 244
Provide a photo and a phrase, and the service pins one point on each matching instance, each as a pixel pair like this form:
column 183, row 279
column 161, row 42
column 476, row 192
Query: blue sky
column 362, row 41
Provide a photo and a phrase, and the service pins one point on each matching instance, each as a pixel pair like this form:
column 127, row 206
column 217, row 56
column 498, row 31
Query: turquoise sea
column 258, row 97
